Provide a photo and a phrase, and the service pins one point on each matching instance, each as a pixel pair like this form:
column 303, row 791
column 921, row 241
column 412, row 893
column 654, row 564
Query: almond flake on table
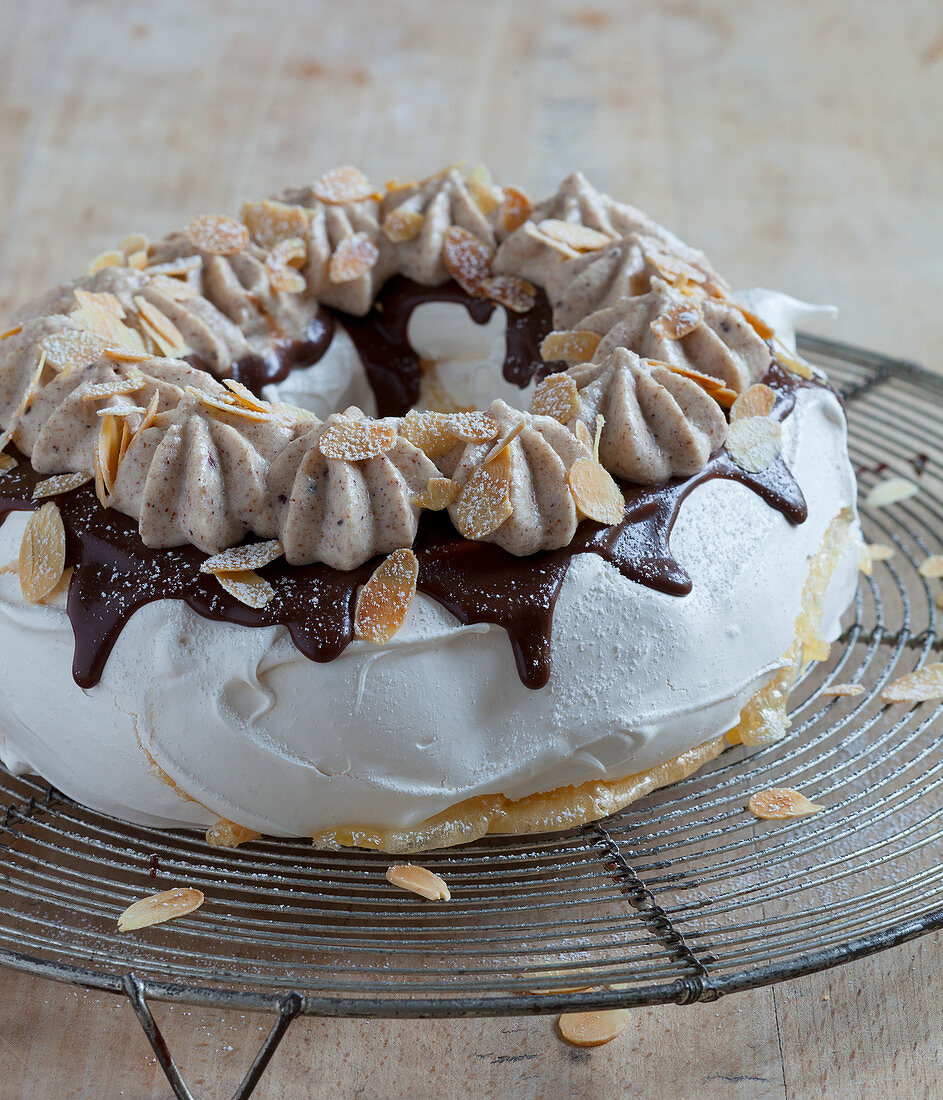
column 592, row 1029
column 892, row 491
column 920, row 686
column 159, row 908
column 418, row 880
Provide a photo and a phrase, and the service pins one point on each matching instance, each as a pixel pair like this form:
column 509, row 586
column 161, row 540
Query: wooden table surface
column 799, row 144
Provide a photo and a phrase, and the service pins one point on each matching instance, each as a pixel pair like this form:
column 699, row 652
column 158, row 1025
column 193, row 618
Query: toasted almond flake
column 150, row 414
column 102, row 315
column 759, row 326
column 176, row 269
column 61, row 483
column 217, row 234
column 756, row 400
column 244, row 396
column 919, row 686
column 439, row 494
column 467, row 259
column 227, row 834
column 133, row 381
column 505, row 441
column 792, row 361
column 7, row 463
column 107, row 457
column 724, row 397
column 931, row 567
column 42, row 553
column 487, row 196
column 384, row 601
column 134, row 242
column 517, row 208
column 418, row 880
column 111, row 258
column 159, row 908
column 473, row 427
column 269, row 221
column 557, row 396
column 570, row 973
column 175, row 289
column 754, row 443
column 138, row 260
column 596, row 495
column 868, row 553
column 280, row 263
column 8, row 332
column 844, row 689
column 892, row 491
column 229, row 405
column 592, row 1029
column 430, row 433
column 485, row 500
column 672, row 267
column 71, row 349
column 678, row 322
column 165, row 334
column 343, row 185
column 247, row 587
column 705, row 381
column 353, row 258
column 578, row 237
column 349, row 440
column 10, row 567
column 402, row 225
column 240, row 558
column 511, row 291
column 126, row 355
column 781, row 803
column 569, row 347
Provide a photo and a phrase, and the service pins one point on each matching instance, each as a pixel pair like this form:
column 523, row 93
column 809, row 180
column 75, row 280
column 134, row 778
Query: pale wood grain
column 798, row 143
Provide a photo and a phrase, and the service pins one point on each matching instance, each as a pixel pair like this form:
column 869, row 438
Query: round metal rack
column 684, row 896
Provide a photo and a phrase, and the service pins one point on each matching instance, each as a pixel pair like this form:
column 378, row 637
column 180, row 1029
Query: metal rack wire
column 682, row 897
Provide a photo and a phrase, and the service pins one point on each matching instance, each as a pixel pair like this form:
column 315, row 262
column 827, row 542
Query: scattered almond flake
column 353, row 258
column 578, row 237
column 247, row 587
column 137, row 260
column 280, row 264
column 71, row 349
column 177, row 269
column 467, row 259
column 568, row 973
column 343, row 185
column 384, row 601
column 418, row 880
column 133, row 381
column 217, row 234
column 270, row 222
column 844, row 689
column 473, row 427
column 892, row 491
column 517, row 208
column 227, row 834
column 596, row 495
column 7, row 463
column 107, row 457
column 724, row 397
column 134, row 242
column 676, row 323
column 705, row 381
column 402, row 225
column 240, row 558
column 931, row 567
column 102, row 314
column 592, row 1029
column 672, row 267
column 349, row 440
column 569, row 347
column 792, row 361
column 28, row 394
column 487, row 196
column 916, row 687
column 756, row 400
column 485, row 500
column 868, row 553
column 246, row 397
column 759, row 326
column 165, row 334
column 429, row 431
column 779, row 803
column 8, row 332
column 228, row 404
column 505, row 441
column 511, row 291
column 121, row 410
column 61, row 483
column 159, row 908
column 175, row 289
column 126, row 355
column 582, row 434
column 42, row 553
column 439, row 494
column 111, row 258
column 150, row 414
column 754, row 443
column 557, row 396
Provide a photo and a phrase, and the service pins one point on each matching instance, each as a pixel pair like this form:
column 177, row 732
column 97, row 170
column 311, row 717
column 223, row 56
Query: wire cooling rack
column 685, row 896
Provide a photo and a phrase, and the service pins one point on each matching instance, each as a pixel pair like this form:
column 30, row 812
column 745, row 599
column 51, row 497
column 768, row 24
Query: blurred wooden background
column 800, row 144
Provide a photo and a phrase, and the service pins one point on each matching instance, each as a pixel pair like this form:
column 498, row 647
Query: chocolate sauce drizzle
column 284, row 356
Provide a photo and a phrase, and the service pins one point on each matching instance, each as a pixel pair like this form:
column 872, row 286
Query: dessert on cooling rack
column 396, row 516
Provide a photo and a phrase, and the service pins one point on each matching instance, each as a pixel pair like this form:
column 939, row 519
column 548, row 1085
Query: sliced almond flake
column 724, row 397
column 759, row 326
column 505, row 441
column 844, row 689
column 126, row 355
column 569, row 347
column 419, row 880
column 511, row 291
column 349, row 440
column 159, row 908
column 592, row 1029
column 42, row 553
column 467, row 259
column 487, row 196
column 61, row 483
column 582, row 434
column 102, row 314
column 280, row 263
column 133, row 381
column 485, row 500
column 931, row 567
column 270, row 222
column 705, row 381
column 402, row 225
column 517, row 208
column 28, row 394
column 869, row 553
column 756, row 400
column 473, row 427
column 439, row 494
column 150, row 415
column 353, row 258
column 596, row 495
column 178, row 268
column 134, row 242
column 672, row 267
column 343, row 185
column 754, row 443
column 228, row 404
column 175, row 289
column 8, row 332
column 578, row 237
column 792, row 361
column 107, row 456
column 678, row 322
column 246, row 397
column 570, row 972
column 71, row 349
column 557, row 396
column 430, row 432
column 247, row 587
column 165, row 333
column 111, row 258
column 240, row 558
column 780, row 803
column 217, row 234
column 919, row 686
column 894, row 490
column 7, row 463
column 138, row 260
column 384, row 601
column 227, row 834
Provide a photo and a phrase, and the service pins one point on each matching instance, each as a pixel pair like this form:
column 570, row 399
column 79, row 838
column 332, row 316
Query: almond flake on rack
column 343, row 185
column 844, row 689
column 781, row 803
column 894, row 490
column 133, row 381
column 919, row 686
column 61, row 483
column 755, row 400
column 384, row 601
column 247, row 587
column 676, row 323
column 349, row 440
column 517, row 208
column 510, row 291
column 557, row 396
column 869, row 553
column 467, row 259
column 754, row 443
column 217, row 234
column 353, row 258
column 578, row 237
column 419, row 880
column 238, row 559
column 269, row 221
column 71, row 350
column 7, row 463
column 792, row 362
column 42, row 553
column 440, row 493
column 227, row 834
column 592, row 1029
column 159, row 908
column 402, row 225
column 485, row 500
column 570, row 347
column 931, row 567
